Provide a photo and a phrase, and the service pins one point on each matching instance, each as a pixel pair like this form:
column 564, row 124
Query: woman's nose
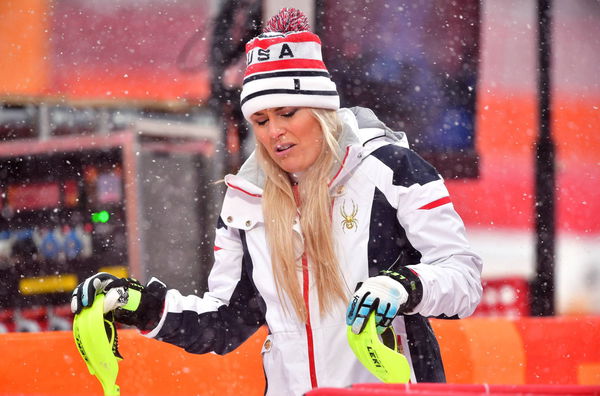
column 276, row 130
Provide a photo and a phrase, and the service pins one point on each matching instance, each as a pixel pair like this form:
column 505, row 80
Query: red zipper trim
column 305, row 293
column 309, row 334
column 341, row 166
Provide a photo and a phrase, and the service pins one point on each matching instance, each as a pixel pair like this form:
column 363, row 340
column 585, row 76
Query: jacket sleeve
column 229, row 313
column 448, row 270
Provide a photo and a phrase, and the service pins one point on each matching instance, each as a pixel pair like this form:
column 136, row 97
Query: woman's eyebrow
column 262, row 113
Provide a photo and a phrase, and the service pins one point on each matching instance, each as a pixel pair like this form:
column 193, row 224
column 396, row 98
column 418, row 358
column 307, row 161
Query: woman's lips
column 283, row 149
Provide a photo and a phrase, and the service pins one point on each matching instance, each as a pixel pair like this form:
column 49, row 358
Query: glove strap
column 411, row 282
column 145, row 305
column 133, row 302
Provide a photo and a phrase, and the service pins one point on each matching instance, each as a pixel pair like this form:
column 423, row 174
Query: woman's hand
column 389, row 294
column 133, row 303
column 85, row 293
column 381, row 294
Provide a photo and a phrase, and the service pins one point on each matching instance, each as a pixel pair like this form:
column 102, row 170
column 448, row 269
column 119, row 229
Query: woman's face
column 291, row 135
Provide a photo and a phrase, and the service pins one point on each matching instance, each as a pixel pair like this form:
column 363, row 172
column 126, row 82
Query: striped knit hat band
column 286, row 69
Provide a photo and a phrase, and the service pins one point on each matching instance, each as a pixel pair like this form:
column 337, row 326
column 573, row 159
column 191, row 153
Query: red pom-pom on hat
column 287, row 20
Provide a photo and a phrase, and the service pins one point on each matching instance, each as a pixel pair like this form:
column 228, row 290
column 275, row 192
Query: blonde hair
column 279, row 207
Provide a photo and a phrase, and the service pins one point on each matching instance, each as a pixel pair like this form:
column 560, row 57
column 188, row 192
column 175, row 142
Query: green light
column 100, row 217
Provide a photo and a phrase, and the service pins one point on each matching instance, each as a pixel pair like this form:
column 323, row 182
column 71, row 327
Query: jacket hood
column 367, row 128
column 362, row 133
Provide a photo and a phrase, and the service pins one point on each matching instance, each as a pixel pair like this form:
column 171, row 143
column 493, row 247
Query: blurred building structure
column 107, row 160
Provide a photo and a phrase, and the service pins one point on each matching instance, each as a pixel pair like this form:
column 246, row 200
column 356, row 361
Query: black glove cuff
column 149, row 312
column 411, row 282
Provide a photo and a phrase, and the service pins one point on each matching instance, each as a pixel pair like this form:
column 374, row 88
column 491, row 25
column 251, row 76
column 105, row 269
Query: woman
column 329, row 199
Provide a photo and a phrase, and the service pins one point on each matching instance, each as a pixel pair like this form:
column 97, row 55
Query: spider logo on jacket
column 349, row 221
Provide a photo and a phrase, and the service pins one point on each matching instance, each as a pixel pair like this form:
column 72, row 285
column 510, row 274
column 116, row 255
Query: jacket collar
column 249, row 179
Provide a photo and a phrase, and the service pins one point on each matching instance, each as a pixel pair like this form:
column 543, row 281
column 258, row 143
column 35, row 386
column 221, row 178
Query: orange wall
column 49, row 364
column 23, row 64
column 99, row 55
column 503, row 196
column 559, row 350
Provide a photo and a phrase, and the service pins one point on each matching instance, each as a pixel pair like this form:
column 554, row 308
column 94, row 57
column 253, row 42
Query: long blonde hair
column 279, row 207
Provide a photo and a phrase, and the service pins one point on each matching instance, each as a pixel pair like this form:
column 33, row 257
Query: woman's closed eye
column 262, row 118
column 289, row 114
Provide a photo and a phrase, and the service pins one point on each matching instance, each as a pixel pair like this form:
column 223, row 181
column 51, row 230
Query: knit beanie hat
column 285, row 67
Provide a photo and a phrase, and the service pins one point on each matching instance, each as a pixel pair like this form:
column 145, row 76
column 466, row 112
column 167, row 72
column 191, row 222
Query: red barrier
column 486, row 388
column 458, row 390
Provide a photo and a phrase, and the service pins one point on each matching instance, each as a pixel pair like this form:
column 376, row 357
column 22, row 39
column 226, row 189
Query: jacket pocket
column 274, row 367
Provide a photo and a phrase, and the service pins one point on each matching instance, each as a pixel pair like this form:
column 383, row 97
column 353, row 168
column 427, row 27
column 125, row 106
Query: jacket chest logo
column 349, row 221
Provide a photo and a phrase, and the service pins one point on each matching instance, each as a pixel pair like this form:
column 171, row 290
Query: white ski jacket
column 389, row 206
